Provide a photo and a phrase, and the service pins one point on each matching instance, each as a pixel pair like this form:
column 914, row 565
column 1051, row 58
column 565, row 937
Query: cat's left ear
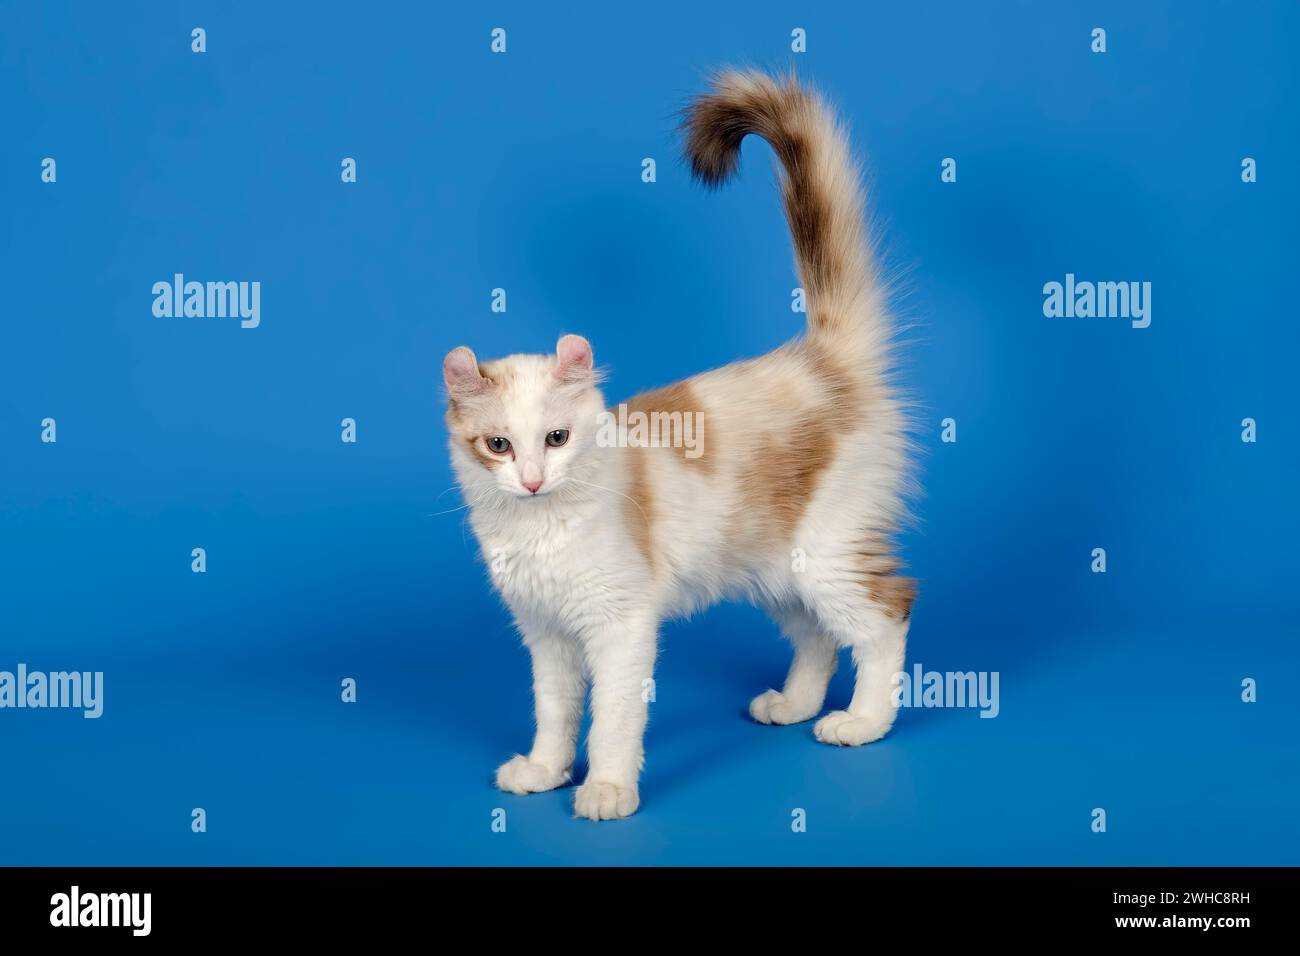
column 573, row 359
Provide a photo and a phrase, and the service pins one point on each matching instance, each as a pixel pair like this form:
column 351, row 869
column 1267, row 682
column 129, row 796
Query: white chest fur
column 561, row 569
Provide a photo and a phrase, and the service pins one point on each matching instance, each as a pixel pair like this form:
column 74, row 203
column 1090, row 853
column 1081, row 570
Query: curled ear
column 460, row 372
column 573, row 359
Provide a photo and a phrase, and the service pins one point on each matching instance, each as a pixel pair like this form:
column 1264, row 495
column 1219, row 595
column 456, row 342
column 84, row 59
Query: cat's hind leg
column 871, row 712
column 804, row 691
column 868, row 613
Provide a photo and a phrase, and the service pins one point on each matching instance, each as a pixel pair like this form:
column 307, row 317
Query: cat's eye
column 558, row 437
column 498, row 445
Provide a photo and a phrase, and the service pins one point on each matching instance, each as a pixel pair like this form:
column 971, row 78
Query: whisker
column 613, row 491
column 478, row 499
column 444, row 491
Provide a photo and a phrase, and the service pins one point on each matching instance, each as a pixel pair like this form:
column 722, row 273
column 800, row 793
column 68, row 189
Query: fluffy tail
column 819, row 184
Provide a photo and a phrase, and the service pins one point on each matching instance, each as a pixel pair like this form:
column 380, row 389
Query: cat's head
column 525, row 425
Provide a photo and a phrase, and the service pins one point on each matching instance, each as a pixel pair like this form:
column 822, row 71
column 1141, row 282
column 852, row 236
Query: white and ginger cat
column 788, row 495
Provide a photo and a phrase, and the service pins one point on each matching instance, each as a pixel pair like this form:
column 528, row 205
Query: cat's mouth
column 528, row 494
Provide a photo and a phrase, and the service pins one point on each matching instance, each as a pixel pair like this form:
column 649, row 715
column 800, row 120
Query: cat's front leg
column 621, row 661
column 559, row 689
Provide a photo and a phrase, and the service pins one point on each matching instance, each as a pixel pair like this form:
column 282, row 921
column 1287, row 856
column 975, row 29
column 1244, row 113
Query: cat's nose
column 531, row 476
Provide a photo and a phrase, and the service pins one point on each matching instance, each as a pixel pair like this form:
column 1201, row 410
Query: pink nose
column 532, row 486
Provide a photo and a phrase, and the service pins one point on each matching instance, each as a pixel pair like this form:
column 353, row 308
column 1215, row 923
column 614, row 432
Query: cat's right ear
column 460, row 373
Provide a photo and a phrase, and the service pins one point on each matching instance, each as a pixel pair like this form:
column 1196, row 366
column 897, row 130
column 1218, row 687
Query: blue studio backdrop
column 1161, row 691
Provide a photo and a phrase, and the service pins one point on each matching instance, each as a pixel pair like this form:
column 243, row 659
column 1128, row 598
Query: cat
column 790, row 499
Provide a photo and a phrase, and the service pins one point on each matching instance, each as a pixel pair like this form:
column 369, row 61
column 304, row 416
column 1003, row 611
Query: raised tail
column 819, row 185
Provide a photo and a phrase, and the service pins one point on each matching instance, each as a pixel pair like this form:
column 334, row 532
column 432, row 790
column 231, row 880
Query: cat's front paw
column 598, row 800
column 523, row 775
column 774, row 707
column 851, row 730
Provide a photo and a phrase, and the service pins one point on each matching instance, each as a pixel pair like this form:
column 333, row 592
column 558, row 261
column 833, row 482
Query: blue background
column 328, row 560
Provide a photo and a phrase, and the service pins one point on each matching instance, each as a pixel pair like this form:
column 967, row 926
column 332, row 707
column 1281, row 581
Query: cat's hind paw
column 844, row 729
column 774, row 707
column 523, row 775
column 597, row 800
